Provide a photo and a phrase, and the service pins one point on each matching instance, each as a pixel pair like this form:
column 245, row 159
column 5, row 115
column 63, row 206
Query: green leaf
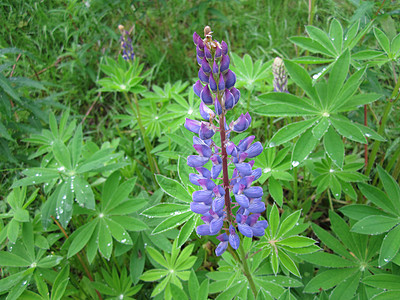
column 321, row 128
column 303, row 80
column 193, row 284
column 334, row 147
column 390, row 246
column 330, row 241
column 347, row 288
column 186, row 230
column 36, row 176
column 204, row 290
column 231, row 292
column 82, row 238
column 296, row 242
column 49, row 207
column 336, row 34
column 389, row 295
column 395, row 46
column 165, row 210
column 76, row 146
column 64, row 203
column 49, row 261
column 360, row 211
column 275, row 189
column 322, row 38
column 177, row 292
column 290, row 131
column 21, row 215
column 303, row 147
column 310, row 45
column 154, row 274
column 391, row 188
column 173, row 188
column 289, row 222
column 354, row 102
column 337, row 76
column 60, row 283
column 273, row 220
column 157, row 257
column 118, row 232
column 105, row 240
column 83, row 193
column 130, row 223
column 61, row 154
column 120, row 195
column 288, row 263
column 284, row 104
column 328, row 279
column 96, row 161
column 383, row 281
column 8, row 259
column 342, row 231
column 6, row 86
column 369, row 133
column 375, row 225
column 382, row 40
column 172, row 222
column 328, row 260
column 377, row 197
column 348, row 130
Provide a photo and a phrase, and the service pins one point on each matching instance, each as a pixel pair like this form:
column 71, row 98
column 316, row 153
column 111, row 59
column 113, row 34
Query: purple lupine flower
column 126, row 44
column 218, row 95
column 280, row 78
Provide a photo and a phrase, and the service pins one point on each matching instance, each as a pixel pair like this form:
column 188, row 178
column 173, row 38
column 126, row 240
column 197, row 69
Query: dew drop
column 295, row 163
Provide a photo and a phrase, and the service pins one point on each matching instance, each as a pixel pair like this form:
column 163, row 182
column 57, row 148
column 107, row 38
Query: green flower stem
column 246, row 269
column 392, row 101
column 147, row 144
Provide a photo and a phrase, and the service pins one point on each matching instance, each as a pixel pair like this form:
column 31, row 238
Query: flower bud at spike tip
column 280, row 78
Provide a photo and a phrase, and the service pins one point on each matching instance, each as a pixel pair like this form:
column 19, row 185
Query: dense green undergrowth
column 95, row 190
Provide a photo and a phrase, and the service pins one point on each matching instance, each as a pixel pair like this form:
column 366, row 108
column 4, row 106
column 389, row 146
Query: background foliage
column 95, row 201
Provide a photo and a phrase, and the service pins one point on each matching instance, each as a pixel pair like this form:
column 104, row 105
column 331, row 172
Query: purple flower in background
column 126, row 44
column 218, row 196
